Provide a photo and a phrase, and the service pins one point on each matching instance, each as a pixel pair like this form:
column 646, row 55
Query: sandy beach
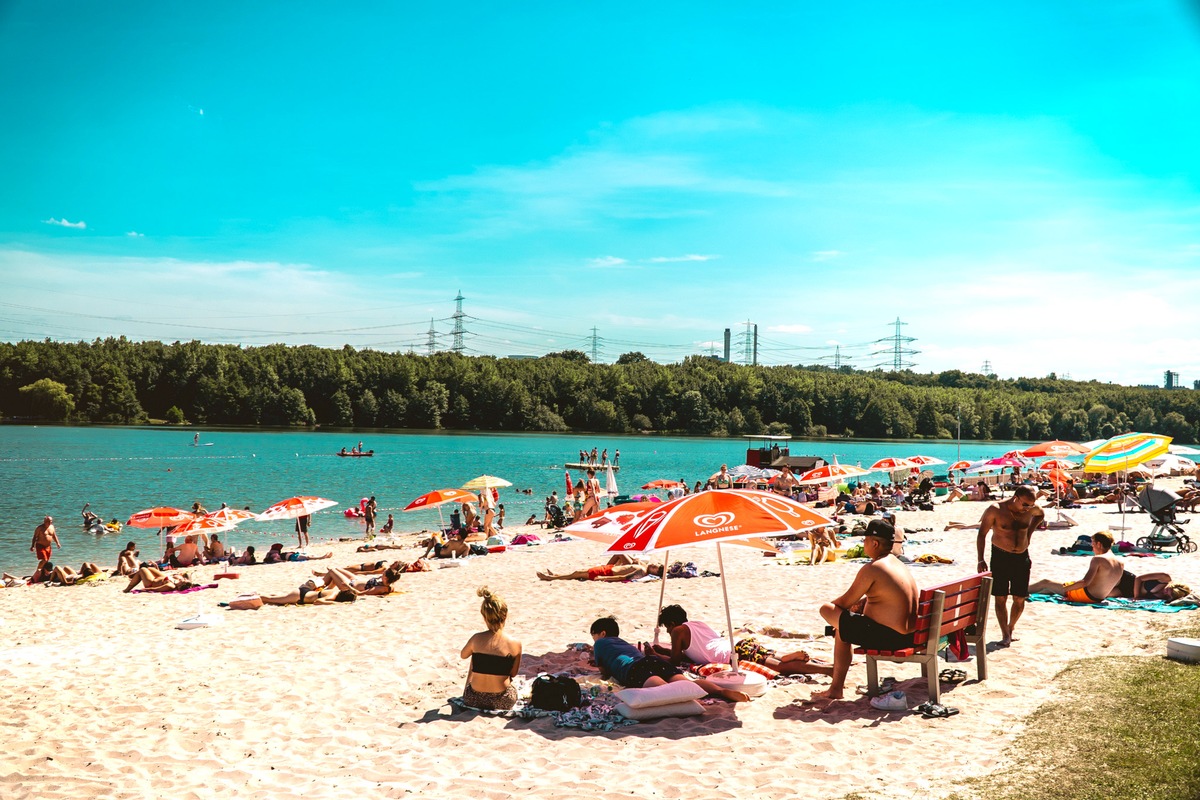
column 104, row 697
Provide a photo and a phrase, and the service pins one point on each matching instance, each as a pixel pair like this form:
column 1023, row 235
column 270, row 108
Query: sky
column 1017, row 183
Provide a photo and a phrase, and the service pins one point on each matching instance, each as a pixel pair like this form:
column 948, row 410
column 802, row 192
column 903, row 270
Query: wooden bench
column 960, row 605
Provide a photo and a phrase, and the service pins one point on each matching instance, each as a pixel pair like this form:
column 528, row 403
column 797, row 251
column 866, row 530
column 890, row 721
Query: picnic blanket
column 1116, row 604
column 599, row 714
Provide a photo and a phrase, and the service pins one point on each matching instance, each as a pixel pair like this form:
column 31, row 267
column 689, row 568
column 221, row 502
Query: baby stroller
column 557, row 518
column 1160, row 505
column 921, row 498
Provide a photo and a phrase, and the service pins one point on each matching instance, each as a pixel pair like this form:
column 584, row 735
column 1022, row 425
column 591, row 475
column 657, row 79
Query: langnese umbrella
column 831, row 472
column 892, row 464
column 662, row 483
column 959, row 466
column 717, row 517
column 295, row 507
column 231, row 515
column 1055, row 448
column 161, row 517
column 925, row 461
column 1058, row 464
column 438, row 497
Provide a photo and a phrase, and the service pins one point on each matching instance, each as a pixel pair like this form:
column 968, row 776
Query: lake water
column 55, row 470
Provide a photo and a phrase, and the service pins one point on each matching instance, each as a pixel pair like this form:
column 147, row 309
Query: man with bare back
column 878, row 611
column 1011, row 523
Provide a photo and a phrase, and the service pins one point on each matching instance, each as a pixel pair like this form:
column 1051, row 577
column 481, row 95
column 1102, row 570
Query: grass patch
column 1124, row 727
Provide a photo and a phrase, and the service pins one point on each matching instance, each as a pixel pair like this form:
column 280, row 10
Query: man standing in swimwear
column 44, row 539
column 1103, row 575
column 1011, row 523
column 878, row 611
column 369, row 516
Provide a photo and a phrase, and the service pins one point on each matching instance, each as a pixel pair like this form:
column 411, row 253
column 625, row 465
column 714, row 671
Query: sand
column 103, row 697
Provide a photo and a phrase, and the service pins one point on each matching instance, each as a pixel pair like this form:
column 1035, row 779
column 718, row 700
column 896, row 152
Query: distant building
column 1171, row 380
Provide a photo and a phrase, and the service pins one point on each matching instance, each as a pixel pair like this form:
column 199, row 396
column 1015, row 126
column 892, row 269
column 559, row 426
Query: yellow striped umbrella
column 1125, row 452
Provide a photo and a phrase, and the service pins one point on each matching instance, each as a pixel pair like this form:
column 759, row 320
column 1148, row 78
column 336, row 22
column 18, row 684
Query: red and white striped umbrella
column 925, row 461
column 439, row 496
column 891, row 464
column 161, row 517
column 831, row 472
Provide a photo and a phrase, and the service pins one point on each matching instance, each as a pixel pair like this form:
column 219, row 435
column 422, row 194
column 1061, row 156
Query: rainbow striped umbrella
column 1125, row 452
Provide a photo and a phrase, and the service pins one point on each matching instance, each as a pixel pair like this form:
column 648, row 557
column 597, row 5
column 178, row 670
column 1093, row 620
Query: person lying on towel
column 1103, row 575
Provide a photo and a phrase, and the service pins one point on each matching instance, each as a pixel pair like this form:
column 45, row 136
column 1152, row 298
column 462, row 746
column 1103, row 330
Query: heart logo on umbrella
column 713, row 520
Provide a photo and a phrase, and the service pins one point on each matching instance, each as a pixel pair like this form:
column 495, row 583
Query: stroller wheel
column 1186, row 545
column 1144, row 544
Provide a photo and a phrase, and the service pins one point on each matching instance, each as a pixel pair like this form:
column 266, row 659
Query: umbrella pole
column 733, row 661
column 661, row 592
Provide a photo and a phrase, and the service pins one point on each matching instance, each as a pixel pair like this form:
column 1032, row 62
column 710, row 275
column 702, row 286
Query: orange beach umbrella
column 161, row 517
column 831, row 472
column 439, row 496
column 295, row 507
column 1055, row 448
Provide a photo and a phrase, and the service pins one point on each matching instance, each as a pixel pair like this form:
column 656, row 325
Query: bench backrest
column 958, row 604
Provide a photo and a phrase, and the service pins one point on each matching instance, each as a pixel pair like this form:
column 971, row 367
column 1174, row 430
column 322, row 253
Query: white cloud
column 672, row 259
column 607, row 261
column 136, row 235
column 65, row 224
column 789, row 329
column 826, row 255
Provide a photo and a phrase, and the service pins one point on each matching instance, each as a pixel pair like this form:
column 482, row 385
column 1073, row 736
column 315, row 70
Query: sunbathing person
column 378, row 585
column 387, row 526
column 606, row 572
column 154, row 579
column 371, row 548
column 630, row 667
column 369, row 568
column 819, row 540
column 1066, row 521
column 310, row 594
column 878, row 611
column 44, row 572
column 11, row 581
column 69, row 577
column 495, row 658
column 699, row 643
column 215, row 551
column 246, row 559
column 1103, row 575
column 127, row 560
column 1151, row 586
column 186, row 554
column 457, row 547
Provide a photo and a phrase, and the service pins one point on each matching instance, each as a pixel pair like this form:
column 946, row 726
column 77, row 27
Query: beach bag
column 555, row 693
column 245, row 602
column 479, row 550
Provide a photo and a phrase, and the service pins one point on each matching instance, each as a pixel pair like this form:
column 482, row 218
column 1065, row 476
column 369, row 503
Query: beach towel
column 177, row 591
column 1115, row 604
column 598, row 715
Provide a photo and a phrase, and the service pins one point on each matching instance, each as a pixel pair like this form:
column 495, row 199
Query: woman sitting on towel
column 700, row 644
column 495, row 658
column 154, row 579
column 127, row 560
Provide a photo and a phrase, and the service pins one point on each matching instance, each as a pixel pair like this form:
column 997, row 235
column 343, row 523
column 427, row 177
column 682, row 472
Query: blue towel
column 1115, row 603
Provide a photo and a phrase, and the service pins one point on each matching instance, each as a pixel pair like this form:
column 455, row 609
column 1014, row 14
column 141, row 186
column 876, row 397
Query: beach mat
column 1115, row 604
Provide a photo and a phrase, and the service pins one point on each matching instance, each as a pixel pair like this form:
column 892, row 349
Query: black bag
column 479, row 550
column 555, row 693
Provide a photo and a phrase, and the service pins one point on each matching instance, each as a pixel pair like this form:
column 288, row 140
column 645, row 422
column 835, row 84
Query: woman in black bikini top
column 495, row 658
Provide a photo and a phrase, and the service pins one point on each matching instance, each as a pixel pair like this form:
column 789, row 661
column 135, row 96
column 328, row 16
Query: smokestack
column 727, row 345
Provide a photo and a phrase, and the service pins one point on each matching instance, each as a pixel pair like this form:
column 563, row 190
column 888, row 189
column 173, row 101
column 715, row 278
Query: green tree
column 175, row 416
column 342, row 410
column 48, row 399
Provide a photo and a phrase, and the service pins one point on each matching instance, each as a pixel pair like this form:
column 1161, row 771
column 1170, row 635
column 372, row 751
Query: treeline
column 119, row 381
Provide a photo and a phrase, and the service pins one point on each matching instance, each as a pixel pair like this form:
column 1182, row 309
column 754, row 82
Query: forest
column 118, row 381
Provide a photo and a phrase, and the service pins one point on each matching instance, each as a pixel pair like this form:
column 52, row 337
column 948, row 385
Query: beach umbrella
column 486, row 482
column 662, row 483
column 991, row 464
column 295, row 507
column 610, row 524
column 892, row 464
column 438, row 497
column 1058, row 464
column 1182, row 450
column 610, row 482
column 1124, row 452
column 205, row 525
column 717, row 517
column 753, row 473
column 1056, row 448
column 831, row 472
column 925, row 461
column 570, row 486
column 231, row 515
column 161, row 517
column 1170, row 462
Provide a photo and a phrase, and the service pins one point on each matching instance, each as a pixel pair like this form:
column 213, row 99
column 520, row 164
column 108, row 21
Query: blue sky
column 1017, row 183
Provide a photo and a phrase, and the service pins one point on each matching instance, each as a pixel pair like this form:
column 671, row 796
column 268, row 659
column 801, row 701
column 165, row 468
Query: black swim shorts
column 650, row 666
column 866, row 632
column 1010, row 573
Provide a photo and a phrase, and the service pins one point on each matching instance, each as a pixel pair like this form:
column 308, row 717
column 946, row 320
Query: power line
column 899, row 349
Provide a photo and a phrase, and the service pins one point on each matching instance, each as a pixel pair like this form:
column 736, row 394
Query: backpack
column 555, row 693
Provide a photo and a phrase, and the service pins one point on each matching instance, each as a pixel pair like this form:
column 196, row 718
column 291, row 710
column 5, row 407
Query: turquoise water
column 55, row 470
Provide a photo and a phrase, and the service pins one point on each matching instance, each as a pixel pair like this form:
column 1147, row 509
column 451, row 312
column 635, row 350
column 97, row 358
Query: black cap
column 881, row 530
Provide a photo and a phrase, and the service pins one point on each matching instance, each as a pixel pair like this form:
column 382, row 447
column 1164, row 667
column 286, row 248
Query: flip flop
column 931, row 710
column 952, row 675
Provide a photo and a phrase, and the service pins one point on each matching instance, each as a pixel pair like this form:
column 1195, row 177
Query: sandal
column 953, row 675
column 931, row 710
